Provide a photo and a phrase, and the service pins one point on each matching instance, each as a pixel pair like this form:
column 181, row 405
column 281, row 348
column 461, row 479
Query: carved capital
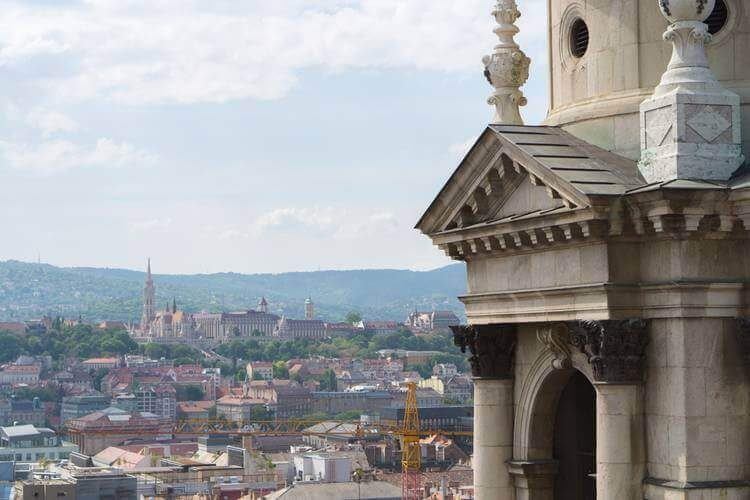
column 616, row 349
column 743, row 338
column 492, row 348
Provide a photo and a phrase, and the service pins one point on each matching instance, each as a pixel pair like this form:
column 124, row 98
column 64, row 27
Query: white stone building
column 606, row 255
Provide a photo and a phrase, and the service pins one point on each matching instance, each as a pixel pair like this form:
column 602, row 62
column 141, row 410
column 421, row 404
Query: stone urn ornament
column 686, row 10
column 507, row 69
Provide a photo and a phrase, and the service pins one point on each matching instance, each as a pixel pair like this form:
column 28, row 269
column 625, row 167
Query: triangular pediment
column 519, row 171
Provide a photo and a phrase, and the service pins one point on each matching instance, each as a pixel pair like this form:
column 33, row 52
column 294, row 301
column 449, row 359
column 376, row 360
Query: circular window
column 579, row 38
column 718, row 18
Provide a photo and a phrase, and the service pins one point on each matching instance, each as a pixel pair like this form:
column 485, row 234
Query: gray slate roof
column 589, row 169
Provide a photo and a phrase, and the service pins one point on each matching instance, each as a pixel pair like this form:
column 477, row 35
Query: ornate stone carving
column 616, row 349
column 743, row 338
column 492, row 348
column 705, row 138
column 507, row 68
column 556, row 338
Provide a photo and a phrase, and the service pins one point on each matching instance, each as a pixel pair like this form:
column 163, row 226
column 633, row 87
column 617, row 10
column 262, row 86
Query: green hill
column 32, row 290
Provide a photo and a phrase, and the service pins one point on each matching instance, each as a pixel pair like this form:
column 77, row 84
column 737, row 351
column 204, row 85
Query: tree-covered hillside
column 32, row 290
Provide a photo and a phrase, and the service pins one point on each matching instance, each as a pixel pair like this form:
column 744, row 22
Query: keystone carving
column 615, row 349
column 743, row 337
column 556, row 338
column 492, row 349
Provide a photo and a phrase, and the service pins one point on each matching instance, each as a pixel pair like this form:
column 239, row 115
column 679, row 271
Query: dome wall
column 597, row 96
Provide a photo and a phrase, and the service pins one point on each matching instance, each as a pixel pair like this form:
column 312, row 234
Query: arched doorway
column 574, row 442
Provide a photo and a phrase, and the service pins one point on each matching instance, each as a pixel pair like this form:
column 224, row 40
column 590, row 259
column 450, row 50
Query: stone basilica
column 607, row 257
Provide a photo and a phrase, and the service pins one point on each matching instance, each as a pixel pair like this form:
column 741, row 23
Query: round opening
column 579, row 38
column 718, row 18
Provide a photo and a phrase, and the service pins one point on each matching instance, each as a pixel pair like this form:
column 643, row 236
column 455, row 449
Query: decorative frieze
column 615, row 348
column 743, row 338
column 492, row 349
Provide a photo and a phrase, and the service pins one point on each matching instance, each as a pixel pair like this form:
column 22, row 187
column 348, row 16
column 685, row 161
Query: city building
column 456, row 389
column 223, row 327
column 380, row 327
column 78, row 406
column 322, row 467
column 440, row 418
column 240, row 409
column 374, row 490
column 79, row 483
column 100, row 363
column 606, row 257
column 260, row 370
column 433, row 321
column 113, row 426
column 30, row 444
column 20, row 411
column 290, row 329
column 13, row 375
column 158, row 399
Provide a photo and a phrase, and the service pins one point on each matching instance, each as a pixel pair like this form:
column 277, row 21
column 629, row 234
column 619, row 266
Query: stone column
column 616, row 351
column 492, row 349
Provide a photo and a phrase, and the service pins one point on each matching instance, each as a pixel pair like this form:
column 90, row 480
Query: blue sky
column 246, row 136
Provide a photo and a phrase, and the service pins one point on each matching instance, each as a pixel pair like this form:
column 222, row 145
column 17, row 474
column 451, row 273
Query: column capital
column 492, row 348
column 743, row 337
column 616, row 349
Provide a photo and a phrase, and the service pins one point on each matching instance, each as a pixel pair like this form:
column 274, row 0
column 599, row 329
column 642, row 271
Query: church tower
column 309, row 309
column 263, row 305
column 149, row 295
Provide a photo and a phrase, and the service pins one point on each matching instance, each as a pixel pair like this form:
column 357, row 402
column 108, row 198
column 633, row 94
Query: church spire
column 149, row 295
column 507, row 69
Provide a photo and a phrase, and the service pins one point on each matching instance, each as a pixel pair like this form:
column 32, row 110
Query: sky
column 249, row 136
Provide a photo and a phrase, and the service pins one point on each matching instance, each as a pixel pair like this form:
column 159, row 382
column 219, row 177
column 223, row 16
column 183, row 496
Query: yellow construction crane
column 411, row 462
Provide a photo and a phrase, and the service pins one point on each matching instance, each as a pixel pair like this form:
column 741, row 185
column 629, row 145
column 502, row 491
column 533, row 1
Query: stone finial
column 507, row 69
column 690, row 127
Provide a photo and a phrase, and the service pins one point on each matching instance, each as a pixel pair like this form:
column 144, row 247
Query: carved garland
column 492, row 348
column 616, row 349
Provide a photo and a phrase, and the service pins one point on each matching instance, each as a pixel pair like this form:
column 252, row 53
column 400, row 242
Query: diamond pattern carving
column 658, row 126
column 709, row 124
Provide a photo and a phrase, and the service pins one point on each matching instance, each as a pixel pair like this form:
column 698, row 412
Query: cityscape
column 216, row 284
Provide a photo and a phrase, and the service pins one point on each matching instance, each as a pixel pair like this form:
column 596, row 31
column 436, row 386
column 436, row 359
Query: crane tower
column 411, row 462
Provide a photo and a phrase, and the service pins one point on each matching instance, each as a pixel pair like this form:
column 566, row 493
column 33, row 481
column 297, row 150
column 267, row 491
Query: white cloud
column 54, row 156
column 150, row 225
column 189, row 51
column 50, row 122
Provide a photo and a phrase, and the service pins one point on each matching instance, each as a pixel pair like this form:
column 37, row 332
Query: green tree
column 280, row 370
column 328, row 380
column 353, row 318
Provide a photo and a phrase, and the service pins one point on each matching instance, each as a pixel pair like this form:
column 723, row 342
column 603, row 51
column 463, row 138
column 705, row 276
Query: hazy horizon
column 261, row 137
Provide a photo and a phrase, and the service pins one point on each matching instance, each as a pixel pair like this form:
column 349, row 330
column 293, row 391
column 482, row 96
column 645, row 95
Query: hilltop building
column 606, row 256
column 433, row 321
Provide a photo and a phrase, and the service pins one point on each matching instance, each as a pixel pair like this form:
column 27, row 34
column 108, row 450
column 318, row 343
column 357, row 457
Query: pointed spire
column 507, row 69
column 174, row 305
column 148, row 268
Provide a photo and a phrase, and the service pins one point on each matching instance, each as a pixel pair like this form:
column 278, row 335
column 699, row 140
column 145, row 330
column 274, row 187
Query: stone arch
column 535, row 413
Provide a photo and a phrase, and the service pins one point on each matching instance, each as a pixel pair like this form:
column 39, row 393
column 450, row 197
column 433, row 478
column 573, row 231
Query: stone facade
column 593, row 285
column 597, row 96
